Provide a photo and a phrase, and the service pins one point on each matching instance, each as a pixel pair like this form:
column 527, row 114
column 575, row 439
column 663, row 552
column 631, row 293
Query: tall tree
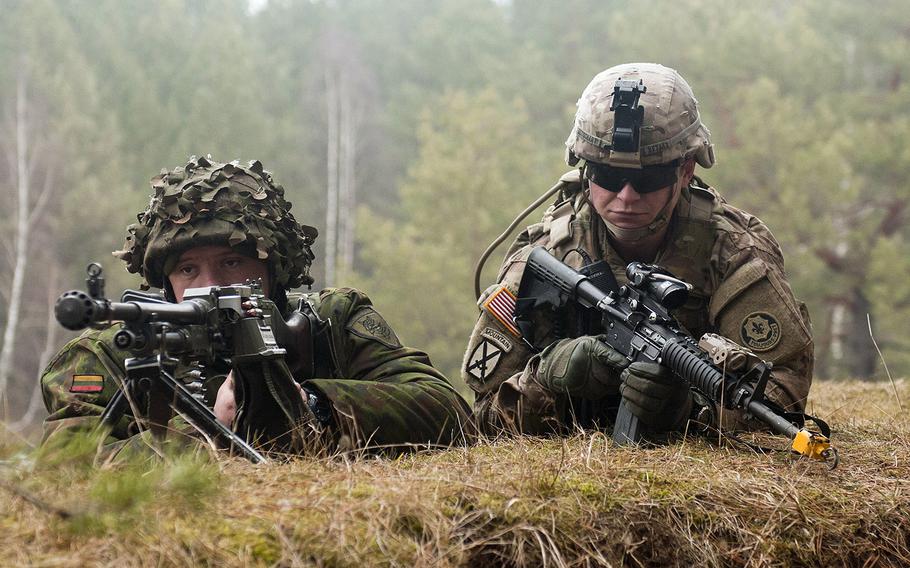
column 22, row 225
column 45, row 82
column 349, row 93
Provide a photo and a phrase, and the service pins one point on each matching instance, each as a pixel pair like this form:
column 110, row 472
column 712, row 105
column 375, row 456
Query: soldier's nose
column 207, row 277
column 628, row 193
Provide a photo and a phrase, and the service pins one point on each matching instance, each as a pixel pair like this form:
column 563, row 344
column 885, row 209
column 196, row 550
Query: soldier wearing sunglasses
column 634, row 196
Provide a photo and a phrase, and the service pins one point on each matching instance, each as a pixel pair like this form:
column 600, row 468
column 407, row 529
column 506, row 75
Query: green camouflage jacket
column 381, row 393
column 740, row 291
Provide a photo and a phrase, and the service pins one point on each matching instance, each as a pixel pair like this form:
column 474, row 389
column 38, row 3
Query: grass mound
column 578, row 501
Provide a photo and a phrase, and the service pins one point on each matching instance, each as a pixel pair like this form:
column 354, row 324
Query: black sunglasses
column 645, row 180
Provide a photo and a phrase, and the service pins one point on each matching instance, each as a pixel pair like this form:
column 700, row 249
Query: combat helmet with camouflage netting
column 206, row 203
column 671, row 127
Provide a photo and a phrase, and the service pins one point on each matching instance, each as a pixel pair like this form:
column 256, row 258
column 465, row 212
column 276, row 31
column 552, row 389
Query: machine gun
column 636, row 321
column 219, row 326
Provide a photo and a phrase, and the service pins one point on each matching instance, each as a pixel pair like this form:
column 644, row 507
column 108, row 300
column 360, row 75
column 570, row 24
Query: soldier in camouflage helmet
column 634, row 196
column 211, row 223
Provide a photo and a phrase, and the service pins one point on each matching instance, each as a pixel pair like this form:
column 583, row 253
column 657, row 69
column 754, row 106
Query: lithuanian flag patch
column 87, row 383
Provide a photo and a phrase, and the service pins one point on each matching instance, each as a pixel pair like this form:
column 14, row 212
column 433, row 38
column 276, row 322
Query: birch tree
column 24, row 158
column 349, row 91
column 331, row 209
column 20, row 238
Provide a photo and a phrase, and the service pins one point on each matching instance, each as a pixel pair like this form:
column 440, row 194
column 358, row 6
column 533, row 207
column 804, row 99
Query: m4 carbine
column 636, row 321
column 219, row 326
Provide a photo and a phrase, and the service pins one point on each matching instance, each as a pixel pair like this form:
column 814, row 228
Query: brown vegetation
column 514, row 502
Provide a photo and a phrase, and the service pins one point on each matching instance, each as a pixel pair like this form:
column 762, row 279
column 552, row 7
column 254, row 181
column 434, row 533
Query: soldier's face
column 629, row 209
column 215, row 265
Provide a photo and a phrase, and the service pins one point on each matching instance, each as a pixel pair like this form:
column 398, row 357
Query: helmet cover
column 670, row 129
column 213, row 203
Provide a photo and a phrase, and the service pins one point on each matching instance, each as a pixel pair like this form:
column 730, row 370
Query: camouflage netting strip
column 209, row 202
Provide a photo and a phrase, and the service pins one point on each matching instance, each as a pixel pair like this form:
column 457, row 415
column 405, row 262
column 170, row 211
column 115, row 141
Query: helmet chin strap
column 636, row 234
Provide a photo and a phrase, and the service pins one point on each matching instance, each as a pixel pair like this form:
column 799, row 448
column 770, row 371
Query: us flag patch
column 501, row 304
column 87, row 383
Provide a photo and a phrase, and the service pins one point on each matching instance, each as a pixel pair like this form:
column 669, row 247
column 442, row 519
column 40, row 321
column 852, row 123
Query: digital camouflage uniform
column 371, row 390
column 740, row 291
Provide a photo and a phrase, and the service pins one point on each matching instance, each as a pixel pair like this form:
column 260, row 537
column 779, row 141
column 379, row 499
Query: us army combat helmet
column 635, row 115
column 213, row 203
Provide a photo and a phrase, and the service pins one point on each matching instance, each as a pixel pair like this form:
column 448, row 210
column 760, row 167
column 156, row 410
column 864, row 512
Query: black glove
column 583, row 366
column 660, row 400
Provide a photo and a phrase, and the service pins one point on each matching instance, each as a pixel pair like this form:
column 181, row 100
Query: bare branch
column 7, row 247
column 34, row 158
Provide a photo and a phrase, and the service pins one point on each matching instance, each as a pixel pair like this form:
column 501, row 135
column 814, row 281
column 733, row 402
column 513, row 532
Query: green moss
column 250, row 540
column 345, row 490
column 363, row 540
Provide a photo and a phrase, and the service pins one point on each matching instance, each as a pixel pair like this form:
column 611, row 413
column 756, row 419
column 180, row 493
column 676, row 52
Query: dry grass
column 515, row 502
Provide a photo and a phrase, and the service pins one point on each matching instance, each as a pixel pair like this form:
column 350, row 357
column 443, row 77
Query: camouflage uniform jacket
column 740, row 292
column 381, row 393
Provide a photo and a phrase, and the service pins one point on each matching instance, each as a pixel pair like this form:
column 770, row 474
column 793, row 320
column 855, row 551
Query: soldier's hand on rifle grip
column 582, row 366
column 659, row 399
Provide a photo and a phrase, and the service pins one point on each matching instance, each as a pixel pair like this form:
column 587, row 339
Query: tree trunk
column 35, row 403
column 860, row 354
column 20, row 260
column 348, row 154
column 331, row 209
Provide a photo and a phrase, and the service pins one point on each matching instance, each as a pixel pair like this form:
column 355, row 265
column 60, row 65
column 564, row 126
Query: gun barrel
column 77, row 310
column 777, row 423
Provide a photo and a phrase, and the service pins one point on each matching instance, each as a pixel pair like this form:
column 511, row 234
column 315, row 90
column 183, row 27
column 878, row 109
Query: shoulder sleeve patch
column 87, row 384
column 501, row 305
column 762, row 315
column 498, row 338
column 368, row 324
column 483, row 360
column 760, row 331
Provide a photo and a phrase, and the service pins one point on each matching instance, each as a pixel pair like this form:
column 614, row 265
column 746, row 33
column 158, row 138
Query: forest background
column 412, row 132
